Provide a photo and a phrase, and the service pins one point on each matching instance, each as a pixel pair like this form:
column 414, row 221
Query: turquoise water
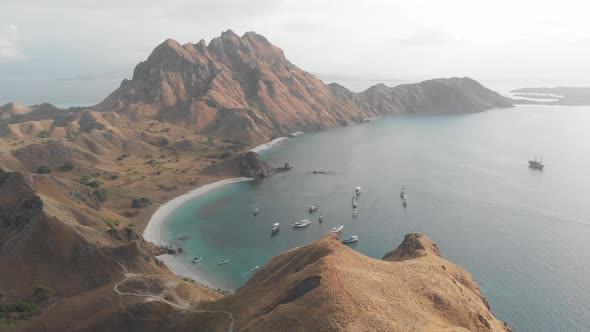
column 523, row 234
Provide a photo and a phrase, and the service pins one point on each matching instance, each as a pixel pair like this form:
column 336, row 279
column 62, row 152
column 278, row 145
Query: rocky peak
column 414, row 245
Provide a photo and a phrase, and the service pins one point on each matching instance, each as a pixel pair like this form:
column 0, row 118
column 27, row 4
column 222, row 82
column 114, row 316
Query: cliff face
column 244, row 89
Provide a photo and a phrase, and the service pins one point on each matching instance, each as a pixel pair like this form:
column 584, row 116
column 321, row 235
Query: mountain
column 78, row 186
column 244, row 89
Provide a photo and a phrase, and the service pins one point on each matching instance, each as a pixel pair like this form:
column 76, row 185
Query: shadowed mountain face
column 244, row 89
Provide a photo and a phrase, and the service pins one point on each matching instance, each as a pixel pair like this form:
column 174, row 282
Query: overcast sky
column 68, row 51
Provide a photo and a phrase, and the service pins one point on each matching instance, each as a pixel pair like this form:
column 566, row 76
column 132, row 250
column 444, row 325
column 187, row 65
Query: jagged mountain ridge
column 245, row 89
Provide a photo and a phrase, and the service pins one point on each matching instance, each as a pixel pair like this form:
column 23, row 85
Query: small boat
column 256, row 210
column 357, row 190
column 275, row 228
column 313, row 208
column 302, row 223
column 536, row 164
column 337, row 229
column 350, row 239
column 355, row 204
column 197, row 259
column 256, row 268
column 403, row 193
column 321, row 219
column 405, row 201
column 223, row 262
column 355, row 211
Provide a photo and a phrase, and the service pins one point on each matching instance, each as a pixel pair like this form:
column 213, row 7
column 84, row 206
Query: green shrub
column 44, row 169
column 17, row 310
column 42, row 293
column 67, row 166
column 141, row 202
column 130, row 214
column 94, row 184
column 101, row 194
column 112, row 223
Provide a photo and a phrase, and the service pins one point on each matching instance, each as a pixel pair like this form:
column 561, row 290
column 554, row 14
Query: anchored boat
column 302, row 223
column 275, row 228
column 197, row 259
column 350, row 239
column 536, row 164
column 337, row 229
column 256, row 210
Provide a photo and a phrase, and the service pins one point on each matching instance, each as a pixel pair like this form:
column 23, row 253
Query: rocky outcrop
column 252, row 166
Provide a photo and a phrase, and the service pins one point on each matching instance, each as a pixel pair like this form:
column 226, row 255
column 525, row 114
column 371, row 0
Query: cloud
column 9, row 51
column 429, row 37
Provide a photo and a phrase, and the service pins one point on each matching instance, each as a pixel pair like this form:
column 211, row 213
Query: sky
column 72, row 52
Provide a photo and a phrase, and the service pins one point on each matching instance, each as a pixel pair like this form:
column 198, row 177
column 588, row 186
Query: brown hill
column 326, row 286
column 12, row 110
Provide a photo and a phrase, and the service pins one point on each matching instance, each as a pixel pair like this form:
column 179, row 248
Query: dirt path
column 175, row 305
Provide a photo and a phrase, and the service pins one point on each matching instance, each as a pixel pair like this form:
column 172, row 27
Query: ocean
column 523, row 234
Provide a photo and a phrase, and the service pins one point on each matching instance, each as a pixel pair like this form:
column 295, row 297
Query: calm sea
column 523, row 234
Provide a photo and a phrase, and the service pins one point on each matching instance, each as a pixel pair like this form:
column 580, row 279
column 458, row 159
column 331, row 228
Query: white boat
column 405, row 201
column 256, row 210
column 402, row 193
column 197, row 259
column 357, row 190
column 223, row 262
column 337, row 229
column 302, row 223
column 313, row 208
column 355, row 212
column 275, row 228
column 321, row 219
column 350, row 239
column 355, row 204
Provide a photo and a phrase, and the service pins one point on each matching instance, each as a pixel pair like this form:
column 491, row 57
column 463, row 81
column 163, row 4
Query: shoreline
column 153, row 229
column 155, row 225
column 268, row 145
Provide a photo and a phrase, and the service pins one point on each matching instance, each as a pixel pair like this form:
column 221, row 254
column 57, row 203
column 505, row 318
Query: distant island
column 570, row 96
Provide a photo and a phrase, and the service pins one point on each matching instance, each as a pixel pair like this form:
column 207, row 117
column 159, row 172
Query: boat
column 313, row 208
column 256, row 210
column 535, row 164
column 197, row 259
column 405, row 201
column 302, row 223
column 350, row 239
column 357, row 190
column 402, row 193
column 355, row 211
column 223, row 262
column 355, row 204
column 275, row 228
column 321, row 219
column 337, row 229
